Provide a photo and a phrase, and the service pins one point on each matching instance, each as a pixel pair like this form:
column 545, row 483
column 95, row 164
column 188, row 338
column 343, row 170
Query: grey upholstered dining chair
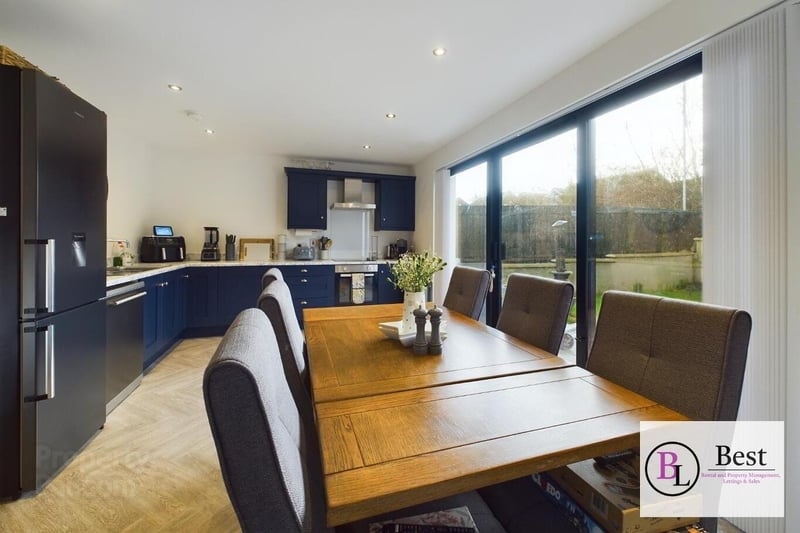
column 269, row 276
column 688, row 356
column 535, row 310
column 467, row 291
column 276, row 303
column 269, row 459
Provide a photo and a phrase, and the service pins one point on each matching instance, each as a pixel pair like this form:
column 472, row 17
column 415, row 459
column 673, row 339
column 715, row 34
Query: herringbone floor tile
column 153, row 467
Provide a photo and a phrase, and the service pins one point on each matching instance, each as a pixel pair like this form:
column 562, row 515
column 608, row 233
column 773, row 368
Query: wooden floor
column 152, row 468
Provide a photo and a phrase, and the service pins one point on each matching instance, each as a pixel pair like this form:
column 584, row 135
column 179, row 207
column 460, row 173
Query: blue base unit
column 311, row 286
column 387, row 293
column 164, row 313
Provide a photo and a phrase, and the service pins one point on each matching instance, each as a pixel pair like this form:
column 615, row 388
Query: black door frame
column 582, row 120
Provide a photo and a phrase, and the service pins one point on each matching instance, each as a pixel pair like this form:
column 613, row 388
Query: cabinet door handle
column 303, row 302
column 185, row 276
column 322, row 218
column 129, row 298
column 303, row 280
column 303, row 270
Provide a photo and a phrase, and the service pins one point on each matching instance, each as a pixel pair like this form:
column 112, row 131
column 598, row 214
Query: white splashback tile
column 350, row 233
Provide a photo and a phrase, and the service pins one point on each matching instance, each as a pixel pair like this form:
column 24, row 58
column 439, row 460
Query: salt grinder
column 435, row 346
column 420, row 344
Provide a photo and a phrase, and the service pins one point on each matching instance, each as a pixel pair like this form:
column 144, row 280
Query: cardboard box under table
column 610, row 494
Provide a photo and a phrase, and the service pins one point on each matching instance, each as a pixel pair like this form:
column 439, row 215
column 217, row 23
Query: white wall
column 242, row 194
column 130, row 186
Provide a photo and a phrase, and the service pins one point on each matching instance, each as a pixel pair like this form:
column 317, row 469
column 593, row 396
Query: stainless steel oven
column 356, row 283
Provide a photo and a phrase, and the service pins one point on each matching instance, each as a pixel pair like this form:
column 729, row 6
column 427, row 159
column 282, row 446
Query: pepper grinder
column 420, row 344
column 435, row 346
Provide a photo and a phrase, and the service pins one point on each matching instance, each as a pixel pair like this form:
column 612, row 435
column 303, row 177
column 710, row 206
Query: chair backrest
column 269, row 276
column 269, row 459
column 276, row 303
column 688, row 356
column 467, row 290
column 535, row 309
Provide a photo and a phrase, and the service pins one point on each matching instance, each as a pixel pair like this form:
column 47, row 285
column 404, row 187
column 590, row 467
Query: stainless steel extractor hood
column 353, row 196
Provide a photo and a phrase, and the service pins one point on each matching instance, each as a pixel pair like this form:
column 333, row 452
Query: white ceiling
column 308, row 78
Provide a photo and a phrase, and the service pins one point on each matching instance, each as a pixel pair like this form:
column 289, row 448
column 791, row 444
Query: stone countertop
column 140, row 271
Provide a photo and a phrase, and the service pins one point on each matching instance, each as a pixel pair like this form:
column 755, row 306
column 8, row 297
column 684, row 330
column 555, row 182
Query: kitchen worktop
column 143, row 270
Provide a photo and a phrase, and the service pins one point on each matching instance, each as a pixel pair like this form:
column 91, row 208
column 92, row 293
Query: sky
column 636, row 136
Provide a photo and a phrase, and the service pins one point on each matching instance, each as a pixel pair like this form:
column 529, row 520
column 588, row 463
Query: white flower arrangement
column 414, row 272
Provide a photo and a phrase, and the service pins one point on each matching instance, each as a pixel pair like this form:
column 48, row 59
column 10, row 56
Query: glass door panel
column 470, row 217
column 538, row 214
column 649, row 175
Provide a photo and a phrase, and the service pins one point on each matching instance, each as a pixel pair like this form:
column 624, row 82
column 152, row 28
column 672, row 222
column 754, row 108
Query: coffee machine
column 211, row 245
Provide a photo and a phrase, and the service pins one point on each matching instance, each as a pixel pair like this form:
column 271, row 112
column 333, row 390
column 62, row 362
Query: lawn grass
column 690, row 292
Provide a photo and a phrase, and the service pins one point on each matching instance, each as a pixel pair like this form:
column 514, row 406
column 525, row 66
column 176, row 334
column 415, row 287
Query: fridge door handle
column 49, row 363
column 38, row 363
column 50, row 274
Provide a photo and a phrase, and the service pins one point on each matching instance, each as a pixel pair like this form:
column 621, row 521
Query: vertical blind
column 745, row 203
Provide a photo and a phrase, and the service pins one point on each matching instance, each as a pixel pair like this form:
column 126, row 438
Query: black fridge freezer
column 53, row 192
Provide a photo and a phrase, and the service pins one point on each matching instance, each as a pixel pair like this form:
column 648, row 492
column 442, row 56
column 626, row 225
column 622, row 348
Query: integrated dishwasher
column 124, row 341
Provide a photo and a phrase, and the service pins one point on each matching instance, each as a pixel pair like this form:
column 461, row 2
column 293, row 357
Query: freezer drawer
column 63, row 387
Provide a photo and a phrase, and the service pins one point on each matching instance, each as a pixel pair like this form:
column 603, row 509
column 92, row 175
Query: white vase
column 411, row 301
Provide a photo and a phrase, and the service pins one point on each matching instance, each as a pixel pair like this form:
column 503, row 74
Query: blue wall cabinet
column 395, row 200
column 307, row 201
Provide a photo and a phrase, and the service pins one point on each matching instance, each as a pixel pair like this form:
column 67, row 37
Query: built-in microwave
column 356, row 283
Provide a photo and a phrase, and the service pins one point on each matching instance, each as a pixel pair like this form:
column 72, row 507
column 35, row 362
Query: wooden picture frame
column 243, row 247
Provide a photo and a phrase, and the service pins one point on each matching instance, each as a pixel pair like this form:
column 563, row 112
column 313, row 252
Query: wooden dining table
column 419, row 436
column 350, row 357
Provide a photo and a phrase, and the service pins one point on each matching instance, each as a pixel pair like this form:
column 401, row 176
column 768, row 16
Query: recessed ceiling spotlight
column 174, row 88
column 391, row 115
column 439, row 51
column 209, row 131
column 367, row 147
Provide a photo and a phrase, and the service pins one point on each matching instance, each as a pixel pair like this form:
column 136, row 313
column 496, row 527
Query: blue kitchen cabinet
column 310, row 285
column 215, row 295
column 239, row 288
column 181, row 301
column 150, row 315
column 162, row 315
column 202, row 300
column 307, row 200
column 395, row 201
column 387, row 293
